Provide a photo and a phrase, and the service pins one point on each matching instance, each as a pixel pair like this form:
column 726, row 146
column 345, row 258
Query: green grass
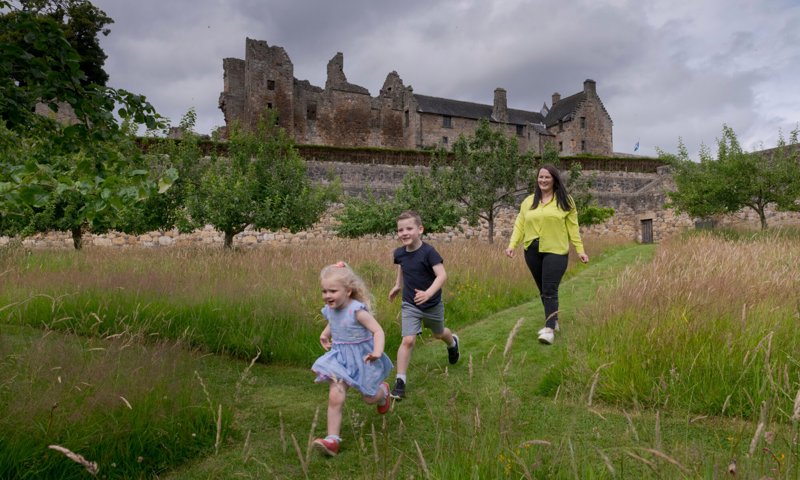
column 627, row 391
column 134, row 409
column 490, row 416
column 240, row 303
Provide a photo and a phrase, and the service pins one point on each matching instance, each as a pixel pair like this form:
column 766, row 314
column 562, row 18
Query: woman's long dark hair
column 559, row 190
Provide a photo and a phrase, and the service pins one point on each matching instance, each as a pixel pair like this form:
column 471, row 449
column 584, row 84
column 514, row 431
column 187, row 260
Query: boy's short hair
column 410, row 214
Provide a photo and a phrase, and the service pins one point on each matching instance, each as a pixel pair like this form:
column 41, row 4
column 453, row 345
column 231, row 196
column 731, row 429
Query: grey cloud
column 663, row 70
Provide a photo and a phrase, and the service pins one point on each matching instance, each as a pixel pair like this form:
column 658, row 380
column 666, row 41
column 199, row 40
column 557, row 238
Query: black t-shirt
column 417, row 267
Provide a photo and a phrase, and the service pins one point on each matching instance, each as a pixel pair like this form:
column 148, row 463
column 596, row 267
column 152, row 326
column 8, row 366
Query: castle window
column 560, row 146
column 311, row 111
column 406, row 118
column 583, row 145
column 583, row 122
column 561, row 125
column 444, row 140
column 447, row 122
column 270, row 84
column 520, row 130
column 269, row 106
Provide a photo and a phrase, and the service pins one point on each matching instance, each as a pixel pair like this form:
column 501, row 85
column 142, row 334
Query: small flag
column 636, row 147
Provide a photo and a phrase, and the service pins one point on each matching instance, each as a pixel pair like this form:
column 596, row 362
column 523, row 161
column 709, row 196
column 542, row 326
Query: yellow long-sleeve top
column 554, row 227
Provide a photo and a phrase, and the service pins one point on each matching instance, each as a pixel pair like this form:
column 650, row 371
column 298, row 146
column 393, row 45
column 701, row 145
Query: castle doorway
column 647, row 230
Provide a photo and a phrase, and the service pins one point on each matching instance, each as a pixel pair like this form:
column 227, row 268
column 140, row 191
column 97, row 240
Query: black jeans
column 547, row 270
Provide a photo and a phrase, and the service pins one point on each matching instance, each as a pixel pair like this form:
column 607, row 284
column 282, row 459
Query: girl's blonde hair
column 342, row 273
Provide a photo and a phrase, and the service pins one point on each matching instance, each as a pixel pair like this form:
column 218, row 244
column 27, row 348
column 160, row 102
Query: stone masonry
column 345, row 114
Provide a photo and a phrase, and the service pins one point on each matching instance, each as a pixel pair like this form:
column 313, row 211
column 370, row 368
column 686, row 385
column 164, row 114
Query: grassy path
column 489, row 416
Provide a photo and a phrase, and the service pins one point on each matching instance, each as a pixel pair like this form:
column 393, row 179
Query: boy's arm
column 422, row 296
column 398, row 284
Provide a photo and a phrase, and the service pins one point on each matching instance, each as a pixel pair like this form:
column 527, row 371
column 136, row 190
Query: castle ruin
column 345, row 114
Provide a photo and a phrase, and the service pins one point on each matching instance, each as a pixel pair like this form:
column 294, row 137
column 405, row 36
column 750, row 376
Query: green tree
column 184, row 156
column 262, row 182
column 74, row 177
column 81, row 22
column 486, row 174
column 736, row 179
column 418, row 192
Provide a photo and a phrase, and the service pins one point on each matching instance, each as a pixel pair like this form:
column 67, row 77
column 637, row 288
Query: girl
column 354, row 341
column 547, row 223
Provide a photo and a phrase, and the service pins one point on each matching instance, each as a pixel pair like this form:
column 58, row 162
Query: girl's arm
column 325, row 337
column 398, row 284
column 368, row 321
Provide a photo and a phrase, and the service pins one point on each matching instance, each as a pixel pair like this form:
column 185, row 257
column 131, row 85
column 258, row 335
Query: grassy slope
column 472, row 419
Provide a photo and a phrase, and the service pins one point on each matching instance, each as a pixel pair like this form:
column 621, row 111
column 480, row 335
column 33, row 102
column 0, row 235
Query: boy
column 420, row 276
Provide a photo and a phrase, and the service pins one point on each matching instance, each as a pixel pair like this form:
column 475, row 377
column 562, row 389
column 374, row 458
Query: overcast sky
column 664, row 69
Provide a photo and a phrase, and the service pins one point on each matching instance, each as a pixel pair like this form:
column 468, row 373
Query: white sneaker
column 557, row 329
column 547, row 336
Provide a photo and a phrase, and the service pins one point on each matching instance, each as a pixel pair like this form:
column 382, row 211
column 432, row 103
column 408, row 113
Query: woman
column 547, row 223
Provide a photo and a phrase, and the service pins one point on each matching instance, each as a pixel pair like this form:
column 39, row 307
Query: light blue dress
column 351, row 343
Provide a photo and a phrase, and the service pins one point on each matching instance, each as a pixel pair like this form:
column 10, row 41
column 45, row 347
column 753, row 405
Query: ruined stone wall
column 307, row 104
column 268, row 85
column 65, row 114
column 231, row 100
column 344, row 119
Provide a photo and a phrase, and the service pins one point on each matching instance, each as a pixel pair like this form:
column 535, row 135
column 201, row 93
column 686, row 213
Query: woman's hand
column 584, row 258
column 510, row 252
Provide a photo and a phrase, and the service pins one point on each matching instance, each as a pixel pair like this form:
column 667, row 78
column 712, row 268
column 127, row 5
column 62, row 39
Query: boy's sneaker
column 382, row 409
column 547, row 336
column 452, row 352
column 328, row 447
column 399, row 390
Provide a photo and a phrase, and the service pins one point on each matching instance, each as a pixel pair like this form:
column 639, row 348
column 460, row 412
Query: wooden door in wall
column 647, row 230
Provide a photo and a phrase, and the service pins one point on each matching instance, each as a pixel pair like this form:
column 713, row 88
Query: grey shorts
column 414, row 318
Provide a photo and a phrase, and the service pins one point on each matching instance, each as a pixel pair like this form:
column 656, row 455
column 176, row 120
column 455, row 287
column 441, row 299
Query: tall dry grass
column 127, row 408
column 242, row 302
column 709, row 325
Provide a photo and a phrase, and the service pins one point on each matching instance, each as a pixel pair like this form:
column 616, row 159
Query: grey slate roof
column 564, row 109
column 476, row 111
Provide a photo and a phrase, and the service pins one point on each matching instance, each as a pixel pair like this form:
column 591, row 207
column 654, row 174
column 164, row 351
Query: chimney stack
column 500, row 110
column 590, row 86
column 556, row 98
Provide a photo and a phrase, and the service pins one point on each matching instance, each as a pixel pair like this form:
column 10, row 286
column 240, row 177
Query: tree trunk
column 763, row 217
column 490, row 221
column 228, row 239
column 77, row 238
